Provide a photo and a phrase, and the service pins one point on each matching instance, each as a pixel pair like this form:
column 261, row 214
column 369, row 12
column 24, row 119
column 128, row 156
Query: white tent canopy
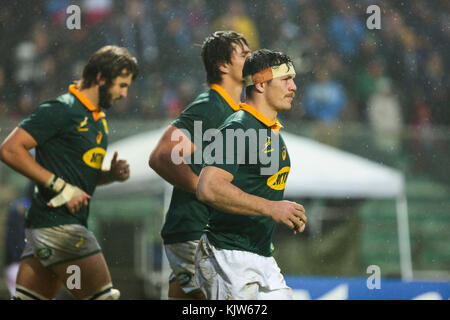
column 317, row 170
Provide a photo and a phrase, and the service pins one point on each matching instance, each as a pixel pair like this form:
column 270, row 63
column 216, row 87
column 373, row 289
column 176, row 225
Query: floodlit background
column 379, row 94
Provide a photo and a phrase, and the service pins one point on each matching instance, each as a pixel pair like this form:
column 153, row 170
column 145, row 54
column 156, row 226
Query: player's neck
column 232, row 88
column 91, row 94
column 260, row 104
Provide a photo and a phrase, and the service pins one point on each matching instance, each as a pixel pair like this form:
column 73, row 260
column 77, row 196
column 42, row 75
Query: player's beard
column 104, row 97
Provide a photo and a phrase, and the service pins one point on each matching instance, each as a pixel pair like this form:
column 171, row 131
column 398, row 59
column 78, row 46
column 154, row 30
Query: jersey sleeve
column 47, row 121
column 227, row 149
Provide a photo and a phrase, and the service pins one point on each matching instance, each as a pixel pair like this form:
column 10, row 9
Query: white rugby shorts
column 238, row 275
column 60, row 244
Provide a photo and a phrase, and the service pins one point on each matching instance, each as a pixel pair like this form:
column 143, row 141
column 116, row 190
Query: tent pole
column 404, row 238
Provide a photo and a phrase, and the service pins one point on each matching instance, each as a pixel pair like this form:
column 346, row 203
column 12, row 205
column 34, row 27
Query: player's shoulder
column 236, row 120
column 63, row 101
column 207, row 99
column 202, row 99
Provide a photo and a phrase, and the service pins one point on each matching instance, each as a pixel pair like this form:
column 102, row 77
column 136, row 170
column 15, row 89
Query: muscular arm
column 14, row 152
column 179, row 175
column 216, row 190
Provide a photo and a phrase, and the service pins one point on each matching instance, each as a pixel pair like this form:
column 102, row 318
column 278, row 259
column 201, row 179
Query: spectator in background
column 436, row 84
column 422, row 140
column 15, row 236
column 134, row 30
column 324, row 99
column 364, row 85
column 174, row 39
column 96, row 11
column 198, row 20
column 162, row 33
column 236, row 18
column 346, row 29
column 25, row 60
column 172, row 103
column 385, row 117
column 56, row 10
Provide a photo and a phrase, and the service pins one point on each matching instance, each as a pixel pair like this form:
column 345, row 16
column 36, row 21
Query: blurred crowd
column 387, row 78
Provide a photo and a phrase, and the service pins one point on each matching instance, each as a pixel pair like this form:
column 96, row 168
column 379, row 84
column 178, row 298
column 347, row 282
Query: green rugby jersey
column 72, row 140
column 187, row 217
column 246, row 232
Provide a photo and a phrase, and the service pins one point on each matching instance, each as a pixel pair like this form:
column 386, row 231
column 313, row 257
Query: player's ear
column 260, row 87
column 224, row 67
column 100, row 80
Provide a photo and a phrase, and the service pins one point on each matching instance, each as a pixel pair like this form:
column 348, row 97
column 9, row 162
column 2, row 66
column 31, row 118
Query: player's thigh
column 34, row 276
column 92, row 271
column 176, row 292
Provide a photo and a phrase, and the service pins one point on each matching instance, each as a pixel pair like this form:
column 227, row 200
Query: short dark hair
column 217, row 49
column 260, row 60
column 110, row 61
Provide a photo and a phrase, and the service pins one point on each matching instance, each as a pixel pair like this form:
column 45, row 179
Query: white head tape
column 269, row 74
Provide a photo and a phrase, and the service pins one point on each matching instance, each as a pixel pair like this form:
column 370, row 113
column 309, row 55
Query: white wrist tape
column 68, row 193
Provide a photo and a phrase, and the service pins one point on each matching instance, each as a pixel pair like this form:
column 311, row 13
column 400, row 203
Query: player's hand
column 76, row 203
column 73, row 197
column 289, row 213
column 120, row 169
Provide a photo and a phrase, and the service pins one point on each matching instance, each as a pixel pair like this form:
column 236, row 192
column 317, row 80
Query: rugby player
column 234, row 257
column 70, row 134
column 223, row 55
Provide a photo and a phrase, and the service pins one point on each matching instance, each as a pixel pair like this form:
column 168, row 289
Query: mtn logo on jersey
column 94, row 157
column 278, row 180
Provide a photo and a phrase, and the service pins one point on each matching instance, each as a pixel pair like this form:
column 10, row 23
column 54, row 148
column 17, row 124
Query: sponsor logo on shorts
column 183, row 278
column 79, row 243
column 278, row 180
column 44, row 253
column 94, row 157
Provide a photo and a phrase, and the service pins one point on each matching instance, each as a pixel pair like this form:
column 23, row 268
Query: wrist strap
column 56, row 184
column 53, row 182
column 50, row 181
